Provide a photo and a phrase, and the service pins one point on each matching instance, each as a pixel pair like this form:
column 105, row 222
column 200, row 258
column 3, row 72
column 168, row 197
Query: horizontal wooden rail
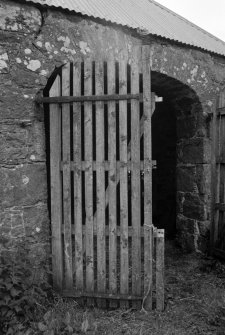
column 220, row 111
column 85, row 98
column 73, row 294
column 220, row 159
column 130, row 230
column 84, row 165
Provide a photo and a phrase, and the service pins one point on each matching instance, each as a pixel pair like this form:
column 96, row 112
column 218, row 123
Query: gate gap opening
column 175, row 121
column 164, row 176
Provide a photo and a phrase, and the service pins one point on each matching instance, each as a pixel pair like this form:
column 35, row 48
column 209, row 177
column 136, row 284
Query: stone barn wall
column 34, row 41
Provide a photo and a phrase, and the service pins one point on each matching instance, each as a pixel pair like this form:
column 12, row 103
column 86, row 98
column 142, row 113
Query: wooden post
column 77, row 179
column 214, row 135
column 100, row 183
column 66, row 179
column 56, row 186
column 135, row 178
column 148, row 268
column 88, row 138
column 160, row 270
column 147, row 171
column 124, row 266
column 112, row 198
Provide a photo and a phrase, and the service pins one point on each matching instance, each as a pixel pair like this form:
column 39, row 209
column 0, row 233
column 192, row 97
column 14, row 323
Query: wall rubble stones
column 33, row 43
column 23, row 19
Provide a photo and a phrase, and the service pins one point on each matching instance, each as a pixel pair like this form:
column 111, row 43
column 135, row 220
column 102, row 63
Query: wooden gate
column 105, row 248
column 218, row 179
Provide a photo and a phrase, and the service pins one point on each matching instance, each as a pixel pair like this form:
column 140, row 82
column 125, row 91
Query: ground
column 195, row 304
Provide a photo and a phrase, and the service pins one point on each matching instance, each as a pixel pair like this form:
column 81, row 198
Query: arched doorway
column 178, row 133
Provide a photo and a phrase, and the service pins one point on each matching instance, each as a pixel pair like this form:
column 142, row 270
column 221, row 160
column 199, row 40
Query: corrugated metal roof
column 145, row 15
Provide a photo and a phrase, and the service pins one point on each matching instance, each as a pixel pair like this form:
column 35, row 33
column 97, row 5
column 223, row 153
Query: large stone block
column 194, row 151
column 19, row 17
column 14, row 145
column 26, row 78
column 23, row 185
column 188, row 225
column 204, row 228
column 38, row 140
column 11, row 227
column 14, row 101
column 186, row 126
column 194, row 207
column 203, row 178
column 186, row 179
column 187, row 233
column 21, row 142
column 192, row 235
column 194, row 179
column 36, row 222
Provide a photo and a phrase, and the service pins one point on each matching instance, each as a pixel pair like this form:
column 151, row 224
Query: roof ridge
column 187, row 21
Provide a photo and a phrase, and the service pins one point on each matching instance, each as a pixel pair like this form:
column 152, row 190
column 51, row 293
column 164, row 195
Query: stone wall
column 35, row 41
column 23, row 187
column 193, row 177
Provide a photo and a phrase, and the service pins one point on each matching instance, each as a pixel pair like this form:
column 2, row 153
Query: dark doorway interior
column 164, row 176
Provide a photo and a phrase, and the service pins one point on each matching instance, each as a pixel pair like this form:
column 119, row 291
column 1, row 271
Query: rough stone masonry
column 34, row 41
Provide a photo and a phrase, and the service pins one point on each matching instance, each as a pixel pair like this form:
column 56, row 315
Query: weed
column 22, row 299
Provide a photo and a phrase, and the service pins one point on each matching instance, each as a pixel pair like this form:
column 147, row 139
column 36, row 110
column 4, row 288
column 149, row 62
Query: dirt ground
column 195, row 304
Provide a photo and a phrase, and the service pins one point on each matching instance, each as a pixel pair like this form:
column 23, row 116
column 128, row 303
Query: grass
column 195, row 304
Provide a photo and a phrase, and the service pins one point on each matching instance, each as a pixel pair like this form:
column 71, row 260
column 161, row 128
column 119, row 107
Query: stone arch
column 181, row 147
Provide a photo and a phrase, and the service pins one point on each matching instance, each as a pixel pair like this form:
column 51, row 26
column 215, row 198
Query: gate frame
column 153, row 238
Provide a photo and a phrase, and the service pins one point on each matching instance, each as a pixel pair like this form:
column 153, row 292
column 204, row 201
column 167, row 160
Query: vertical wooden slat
column 100, row 182
column 88, row 138
column 213, row 177
column 66, row 178
column 148, row 266
column 147, row 173
column 220, row 239
column 219, row 168
column 218, row 176
column 135, row 178
column 124, row 266
column 112, row 183
column 221, row 182
column 160, row 270
column 56, row 186
column 77, row 179
column 217, row 212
